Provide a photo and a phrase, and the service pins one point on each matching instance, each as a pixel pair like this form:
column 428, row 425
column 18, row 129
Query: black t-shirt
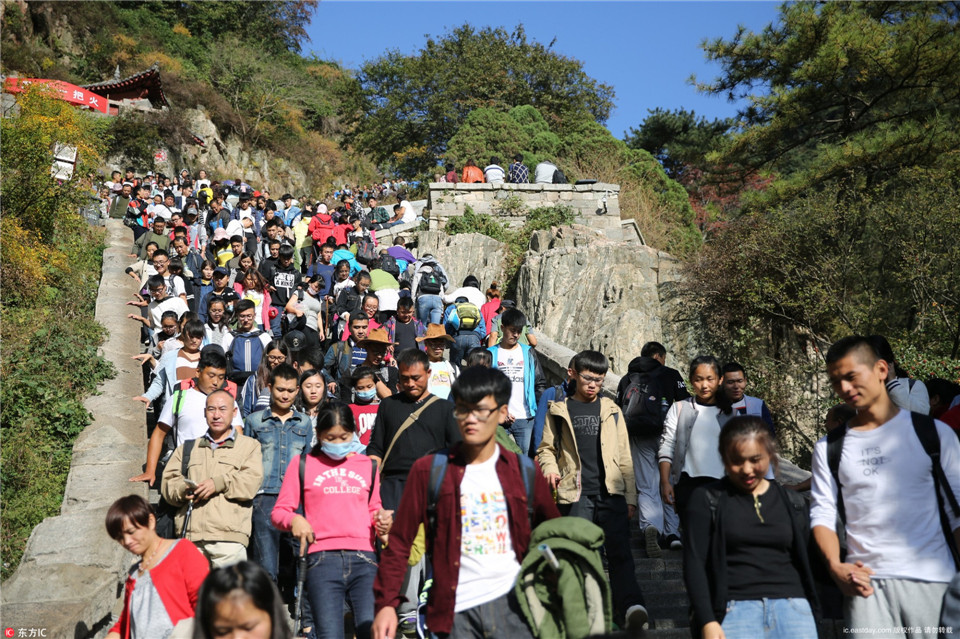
column 405, row 335
column 435, row 429
column 285, row 281
column 759, row 560
column 585, row 418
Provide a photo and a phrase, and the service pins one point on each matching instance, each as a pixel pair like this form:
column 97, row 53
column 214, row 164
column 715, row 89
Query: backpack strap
column 927, row 433
column 414, row 416
column 528, row 471
column 834, row 450
column 302, row 472
column 438, row 470
column 373, row 476
column 187, row 452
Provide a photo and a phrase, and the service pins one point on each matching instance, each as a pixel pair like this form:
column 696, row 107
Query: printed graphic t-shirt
column 511, row 363
column 585, row 418
column 488, row 565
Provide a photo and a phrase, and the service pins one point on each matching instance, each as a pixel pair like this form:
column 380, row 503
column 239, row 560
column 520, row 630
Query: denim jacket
column 280, row 442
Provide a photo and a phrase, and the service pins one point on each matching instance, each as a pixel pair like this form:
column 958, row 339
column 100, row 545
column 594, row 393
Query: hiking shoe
column 674, row 543
column 651, row 543
column 407, row 626
column 637, row 618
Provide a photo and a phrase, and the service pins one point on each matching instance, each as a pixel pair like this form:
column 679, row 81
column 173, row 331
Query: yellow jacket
column 558, row 454
column 236, row 468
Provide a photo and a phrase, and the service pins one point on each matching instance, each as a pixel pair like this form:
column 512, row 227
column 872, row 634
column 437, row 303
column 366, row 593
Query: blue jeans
column 429, row 309
column 769, row 619
column 265, row 539
column 497, row 619
column 275, row 324
column 462, row 344
column 610, row 513
column 335, row 577
column 522, row 431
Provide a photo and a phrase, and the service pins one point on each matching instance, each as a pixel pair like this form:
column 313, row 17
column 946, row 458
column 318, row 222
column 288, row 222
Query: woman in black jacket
column 746, row 561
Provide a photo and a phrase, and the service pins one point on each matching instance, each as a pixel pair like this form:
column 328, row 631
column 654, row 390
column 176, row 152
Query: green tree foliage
column 678, row 138
column 407, row 108
column 885, row 262
column 851, row 90
column 49, row 272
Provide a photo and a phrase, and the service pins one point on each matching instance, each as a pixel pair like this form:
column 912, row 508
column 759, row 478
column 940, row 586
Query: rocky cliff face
column 586, row 291
column 465, row 254
column 225, row 156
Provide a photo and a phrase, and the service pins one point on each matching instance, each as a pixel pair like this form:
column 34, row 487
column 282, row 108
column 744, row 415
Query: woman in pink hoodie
column 342, row 518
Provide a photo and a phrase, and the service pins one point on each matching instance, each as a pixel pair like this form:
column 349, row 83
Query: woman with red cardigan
column 161, row 589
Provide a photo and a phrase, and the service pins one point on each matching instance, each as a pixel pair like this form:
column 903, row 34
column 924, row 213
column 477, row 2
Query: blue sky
column 645, row 50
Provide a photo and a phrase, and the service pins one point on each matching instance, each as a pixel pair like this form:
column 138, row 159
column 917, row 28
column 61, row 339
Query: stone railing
column 596, row 206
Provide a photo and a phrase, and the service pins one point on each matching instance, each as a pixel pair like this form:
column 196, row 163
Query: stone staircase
column 661, row 581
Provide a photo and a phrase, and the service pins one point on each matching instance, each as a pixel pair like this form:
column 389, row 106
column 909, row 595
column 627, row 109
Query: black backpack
column 430, row 281
column 389, row 264
column 559, row 177
column 643, row 403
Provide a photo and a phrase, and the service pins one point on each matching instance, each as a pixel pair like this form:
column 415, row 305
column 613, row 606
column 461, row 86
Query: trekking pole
column 186, row 520
column 548, row 554
column 301, row 576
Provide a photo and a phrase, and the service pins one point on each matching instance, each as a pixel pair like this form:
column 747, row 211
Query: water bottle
column 664, row 407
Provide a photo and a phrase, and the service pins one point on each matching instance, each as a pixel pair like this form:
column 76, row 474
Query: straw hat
column 376, row 336
column 434, row 331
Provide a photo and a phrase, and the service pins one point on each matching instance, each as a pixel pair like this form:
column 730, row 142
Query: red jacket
column 177, row 579
column 445, row 549
column 321, row 227
column 472, row 174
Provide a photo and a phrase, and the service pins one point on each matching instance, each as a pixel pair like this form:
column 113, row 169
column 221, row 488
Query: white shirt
column 409, row 214
column 915, row 398
column 703, row 455
column 543, row 174
column 892, row 518
column 510, row 362
column 442, row 376
column 193, row 420
column 157, row 309
column 494, row 174
column 488, row 565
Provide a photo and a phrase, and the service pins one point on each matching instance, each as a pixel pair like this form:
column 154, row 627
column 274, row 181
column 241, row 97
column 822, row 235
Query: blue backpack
column 245, row 354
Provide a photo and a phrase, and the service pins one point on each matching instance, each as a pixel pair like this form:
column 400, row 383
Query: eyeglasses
column 276, row 359
column 589, row 379
column 480, row 413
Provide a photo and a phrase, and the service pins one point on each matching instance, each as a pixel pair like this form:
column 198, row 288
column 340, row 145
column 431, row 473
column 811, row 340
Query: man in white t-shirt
column 160, row 303
column 494, row 173
column 898, row 559
column 521, row 366
column 481, row 529
column 184, row 413
column 409, row 213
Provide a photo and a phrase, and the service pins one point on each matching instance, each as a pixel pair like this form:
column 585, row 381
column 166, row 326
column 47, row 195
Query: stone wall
column 584, row 290
column 597, row 206
column 71, row 574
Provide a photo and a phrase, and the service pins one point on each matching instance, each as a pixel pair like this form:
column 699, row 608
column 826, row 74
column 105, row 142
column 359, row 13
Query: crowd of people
column 336, row 424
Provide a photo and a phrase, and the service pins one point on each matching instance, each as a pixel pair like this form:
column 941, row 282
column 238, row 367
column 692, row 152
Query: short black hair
column 513, row 318
column 411, row 357
column 153, row 244
column 733, row 367
column 591, row 362
column 243, row 305
column 477, row 382
column 312, row 356
column 652, row 349
column 156, row 281
column 161, row 253
column 362, row 372
column 286, row 252
column 236, row 238
column 882, row 346
column 405, row 302
column 193, row 328
column 283, row 371
column 212, row 358
column 494, row 160
column 479, row 356
column 847, row 345
column 132, row 508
